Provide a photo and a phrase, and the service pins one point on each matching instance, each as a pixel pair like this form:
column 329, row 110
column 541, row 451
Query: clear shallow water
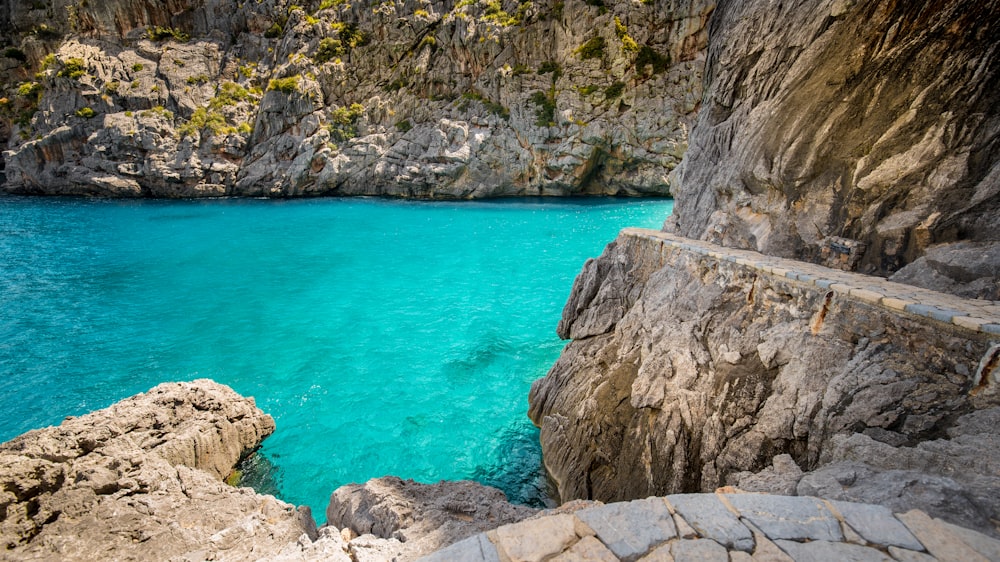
column 384, row 337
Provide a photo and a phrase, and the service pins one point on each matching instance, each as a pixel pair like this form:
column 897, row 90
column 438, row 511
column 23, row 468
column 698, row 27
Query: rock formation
column 143, row 480
column 438, row 99
column 141, row 477
column 689, row 368
column 868, row 120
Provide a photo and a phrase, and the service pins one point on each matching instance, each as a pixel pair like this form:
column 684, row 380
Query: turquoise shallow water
column 384, row 337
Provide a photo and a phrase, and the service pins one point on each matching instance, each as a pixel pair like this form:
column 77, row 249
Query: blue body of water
column 384, row 337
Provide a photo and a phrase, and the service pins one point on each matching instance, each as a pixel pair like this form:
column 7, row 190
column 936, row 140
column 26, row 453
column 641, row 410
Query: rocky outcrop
column 144, row 478
column 692, row 363
column 436, row 99
column 868, row 120
column 403, row 520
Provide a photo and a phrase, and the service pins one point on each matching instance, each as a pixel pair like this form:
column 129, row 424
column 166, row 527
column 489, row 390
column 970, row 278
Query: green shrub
column 549, row 66
column 491, row 106
column 46, row 33
column 49, row 60
column 592, row 49
column 274, row 31
column 73, row 68
column 343, row 122
column 204, row 120
column 157, row 33
column 587, row 90
column 199, row 79
column 647, row 57
column 85, row 112
column 30, row 90
column 328, row 49
column 285, row 85
column 628, row 43
column 112, row 87
column 15, row 53
column 158, row 111
column 229, row 93
column 614, row 91
column 404, row 125
column 520, row 69
column 545, row 113
column 327, row 4
column 137, row 67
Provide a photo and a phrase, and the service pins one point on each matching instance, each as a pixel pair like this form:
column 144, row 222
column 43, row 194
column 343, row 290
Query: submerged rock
column 142, row 479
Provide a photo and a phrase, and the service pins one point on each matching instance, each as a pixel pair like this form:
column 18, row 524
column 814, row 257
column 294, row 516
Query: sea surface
column 385, row 337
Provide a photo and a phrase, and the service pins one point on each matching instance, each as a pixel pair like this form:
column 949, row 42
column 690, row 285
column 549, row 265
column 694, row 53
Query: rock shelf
column 726, row 527
column 972, row 314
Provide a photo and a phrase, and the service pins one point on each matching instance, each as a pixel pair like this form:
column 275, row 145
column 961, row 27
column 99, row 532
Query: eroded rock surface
column 438, row 99
column 143, row 479
column 690, row 366
column 405, row 519
column 862, row 119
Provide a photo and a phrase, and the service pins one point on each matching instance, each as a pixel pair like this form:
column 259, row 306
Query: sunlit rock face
column 194, row 98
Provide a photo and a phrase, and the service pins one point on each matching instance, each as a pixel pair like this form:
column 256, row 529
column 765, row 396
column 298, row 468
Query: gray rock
column 473, row 549
column 143, row 476
column 699, row 550
column 779, row 161
column 785, row 517
column 421, row 518
column 631, row 529
column 825, row 551
column 877, row 525
column 713, row 520
column 453, row 101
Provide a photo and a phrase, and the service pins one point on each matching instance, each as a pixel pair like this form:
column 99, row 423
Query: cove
column 385, row 337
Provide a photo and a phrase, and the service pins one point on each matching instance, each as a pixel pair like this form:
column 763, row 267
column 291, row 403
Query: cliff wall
column 870, row 120
column 694, row 366
column 407, row 98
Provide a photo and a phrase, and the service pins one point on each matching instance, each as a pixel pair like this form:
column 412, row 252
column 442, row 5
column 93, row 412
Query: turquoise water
column 384, row 337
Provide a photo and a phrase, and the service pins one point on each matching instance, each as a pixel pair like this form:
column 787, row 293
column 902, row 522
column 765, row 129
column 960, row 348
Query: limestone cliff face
column 686, row 370
column 405, row 98
column 870, row 120
column 859, row 134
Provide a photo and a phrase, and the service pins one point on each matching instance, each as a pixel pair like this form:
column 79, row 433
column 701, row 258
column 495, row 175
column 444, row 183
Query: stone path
column 726, row 528
column 977, row 315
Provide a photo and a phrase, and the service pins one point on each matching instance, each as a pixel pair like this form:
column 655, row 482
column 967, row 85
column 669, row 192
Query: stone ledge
column 724, row 527
column 968, row 314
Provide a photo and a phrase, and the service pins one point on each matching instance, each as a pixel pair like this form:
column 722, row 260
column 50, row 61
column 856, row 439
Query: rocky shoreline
column 144, row 479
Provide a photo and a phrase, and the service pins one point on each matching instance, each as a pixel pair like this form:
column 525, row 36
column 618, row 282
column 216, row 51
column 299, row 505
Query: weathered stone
column 937, row 539
column 473, row 549
column 825, row 551
column 784, row 517
column 877, row 525
column 588, row 549
column 764, row 172
column 699, row 550
column 631, row 529
column 903, row 555
column 536, row 540
column 145, row 476
column 423, row 517
column 712, row 520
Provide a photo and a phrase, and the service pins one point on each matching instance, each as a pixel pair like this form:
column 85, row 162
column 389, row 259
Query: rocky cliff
column 867, row 120
column 415, row 98
column 861, row 135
